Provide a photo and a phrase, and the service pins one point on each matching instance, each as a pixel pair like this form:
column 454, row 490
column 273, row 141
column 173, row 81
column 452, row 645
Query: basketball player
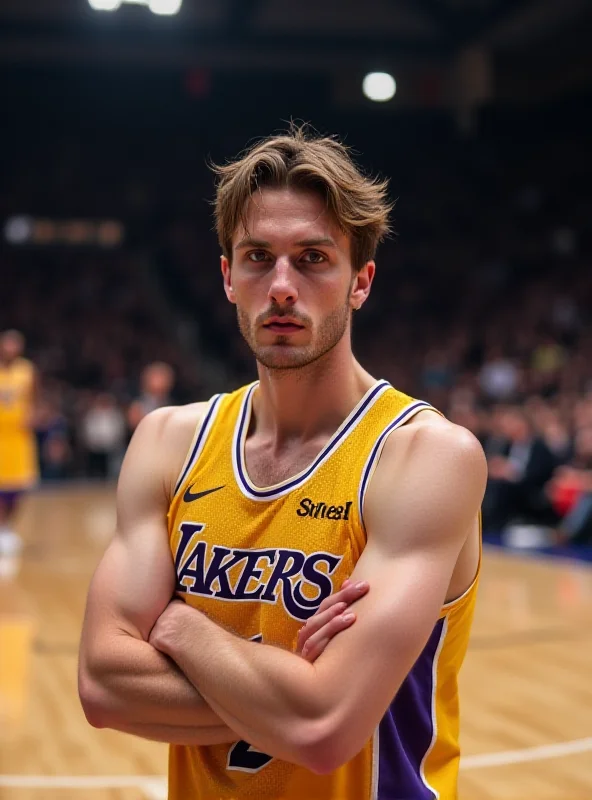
column 18, row 450
column 254, row 507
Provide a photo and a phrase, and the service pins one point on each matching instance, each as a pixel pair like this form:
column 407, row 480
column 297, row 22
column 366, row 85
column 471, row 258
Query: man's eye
column 257, row 256
column 314, row 257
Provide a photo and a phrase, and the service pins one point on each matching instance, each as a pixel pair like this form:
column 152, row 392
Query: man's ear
column 361, row 285
column 227, row 277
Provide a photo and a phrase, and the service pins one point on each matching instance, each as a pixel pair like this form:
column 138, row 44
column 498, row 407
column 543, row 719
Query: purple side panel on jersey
column 406, row 730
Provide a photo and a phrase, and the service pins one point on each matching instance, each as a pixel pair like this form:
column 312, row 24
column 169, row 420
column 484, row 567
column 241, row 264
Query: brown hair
column 298, row 159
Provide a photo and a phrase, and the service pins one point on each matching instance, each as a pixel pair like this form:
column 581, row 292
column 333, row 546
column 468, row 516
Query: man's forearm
column 267, row 695
column 131, row 682
column 178, row 734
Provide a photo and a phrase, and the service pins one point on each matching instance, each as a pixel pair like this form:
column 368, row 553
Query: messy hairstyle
column 298, row 159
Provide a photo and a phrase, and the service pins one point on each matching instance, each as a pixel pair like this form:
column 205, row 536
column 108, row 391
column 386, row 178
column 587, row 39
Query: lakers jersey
column 18, row 453
column 260, row 560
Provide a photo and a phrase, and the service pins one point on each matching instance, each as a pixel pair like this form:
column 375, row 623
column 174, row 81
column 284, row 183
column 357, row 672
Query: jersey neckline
column 262, row 494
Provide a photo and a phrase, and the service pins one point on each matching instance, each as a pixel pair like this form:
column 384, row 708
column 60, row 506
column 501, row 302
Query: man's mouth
column 283, row 326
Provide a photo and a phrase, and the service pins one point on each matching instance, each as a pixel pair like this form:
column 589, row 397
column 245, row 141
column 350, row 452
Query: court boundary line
column 155, row 786
column 539, row 753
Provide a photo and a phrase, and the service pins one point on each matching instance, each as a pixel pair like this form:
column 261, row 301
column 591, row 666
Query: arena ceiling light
column 160, row 7
column 165, row 7
column 104, row 5
column 379, row 86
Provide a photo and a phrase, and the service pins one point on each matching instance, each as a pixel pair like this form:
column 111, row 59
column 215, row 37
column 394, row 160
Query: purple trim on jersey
column 419, row 405
column 406, row 730
column 333, row 443
column 204, row 426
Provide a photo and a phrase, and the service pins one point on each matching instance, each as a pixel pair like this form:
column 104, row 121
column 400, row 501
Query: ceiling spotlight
column 165, row 7
column 161, row 7
column 104, row 5
column 379, row 86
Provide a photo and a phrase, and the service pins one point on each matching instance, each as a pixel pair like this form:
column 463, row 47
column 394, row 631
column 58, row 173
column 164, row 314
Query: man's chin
column 281, row 356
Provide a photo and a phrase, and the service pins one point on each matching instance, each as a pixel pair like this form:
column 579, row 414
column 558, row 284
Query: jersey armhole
column 404, row 416
column 458, row 602
column 197, row 443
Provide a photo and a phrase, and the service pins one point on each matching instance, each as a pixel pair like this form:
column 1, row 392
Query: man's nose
column 283, row 288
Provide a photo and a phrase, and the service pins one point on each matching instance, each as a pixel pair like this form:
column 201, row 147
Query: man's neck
column 302, row 404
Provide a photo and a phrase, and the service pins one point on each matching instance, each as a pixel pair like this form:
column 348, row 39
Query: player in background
column 18, row 448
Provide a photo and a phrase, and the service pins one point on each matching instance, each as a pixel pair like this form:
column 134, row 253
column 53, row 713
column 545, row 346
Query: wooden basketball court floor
column 526, row 687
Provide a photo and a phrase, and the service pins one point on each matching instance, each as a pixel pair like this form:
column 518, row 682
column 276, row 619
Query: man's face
column 291, row 279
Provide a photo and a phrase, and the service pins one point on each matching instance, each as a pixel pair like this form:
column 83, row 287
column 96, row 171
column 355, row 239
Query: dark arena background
column 478, row 111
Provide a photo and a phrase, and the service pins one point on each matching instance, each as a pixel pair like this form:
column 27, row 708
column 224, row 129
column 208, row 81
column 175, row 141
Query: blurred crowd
column 482, row 305
column 102, row 357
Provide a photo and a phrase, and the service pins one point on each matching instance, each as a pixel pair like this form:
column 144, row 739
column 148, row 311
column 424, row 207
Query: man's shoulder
column 174, row 423
column 430, row 478
column 430, row 436
column 167, row 433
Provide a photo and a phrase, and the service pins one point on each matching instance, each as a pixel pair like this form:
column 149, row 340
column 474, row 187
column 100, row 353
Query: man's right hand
column 333, row 616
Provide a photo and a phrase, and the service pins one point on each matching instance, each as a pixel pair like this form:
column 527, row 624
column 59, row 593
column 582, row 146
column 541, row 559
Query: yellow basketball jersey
column 260, row 560
column 18, row 454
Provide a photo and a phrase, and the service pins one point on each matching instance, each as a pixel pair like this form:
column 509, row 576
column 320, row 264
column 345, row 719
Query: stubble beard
column 283, row 355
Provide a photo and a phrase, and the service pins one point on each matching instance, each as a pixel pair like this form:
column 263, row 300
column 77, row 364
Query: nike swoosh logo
column 190, row 496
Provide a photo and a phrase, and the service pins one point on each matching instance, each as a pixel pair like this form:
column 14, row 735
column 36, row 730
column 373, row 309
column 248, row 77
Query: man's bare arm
column 123, row 680
column 180, row 734
column 421, row 506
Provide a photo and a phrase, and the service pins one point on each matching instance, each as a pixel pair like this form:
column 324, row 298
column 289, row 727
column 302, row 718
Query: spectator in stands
column 555, row 433
column 103, row 435
column 495, row 443
column 547, row 360
column 570, row 492
column 517, row 478
column 499, row 376
column 156, row 383
column 51, row 426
